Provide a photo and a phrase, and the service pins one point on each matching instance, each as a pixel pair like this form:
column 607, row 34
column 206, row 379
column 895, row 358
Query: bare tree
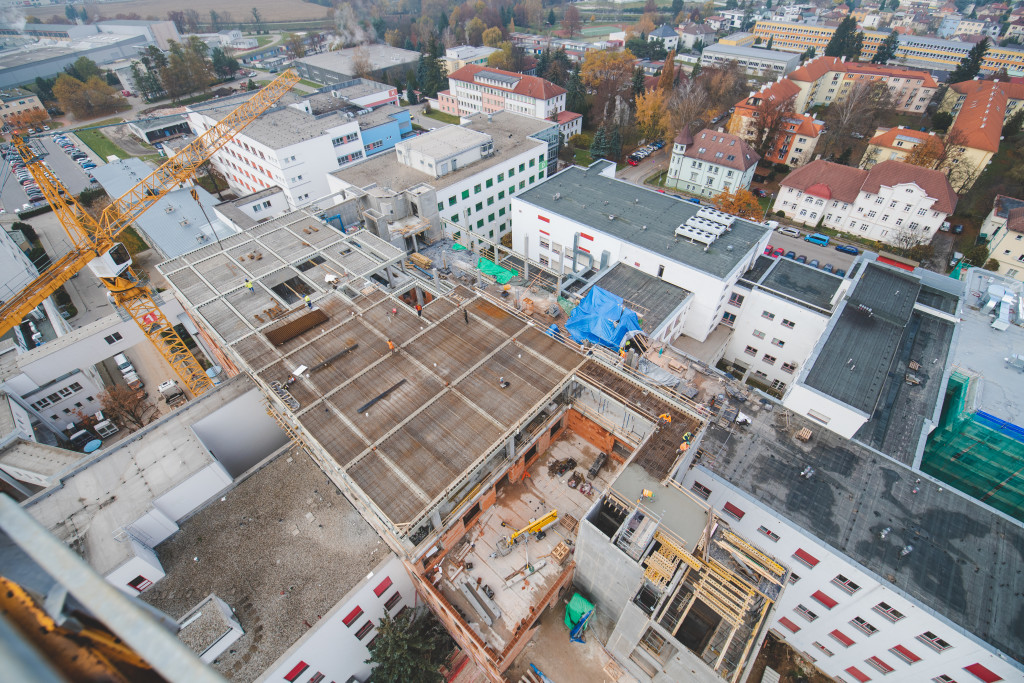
column 767, row 122
column 127, row 408
column 361, row 62
column 191, row 20
column 956, row 163
column 572, row 23
column 857, row 113
column 688, row 105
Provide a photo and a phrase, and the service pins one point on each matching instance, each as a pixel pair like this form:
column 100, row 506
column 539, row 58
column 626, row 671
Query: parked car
column 847, row 249
column 945, row 226
column 801, row 259
column 758, row 192
column 827, row 267
column 790, row 254
column 957, row 229
column 769, row 250
column 813, row 263
column 841, row 273
column 789, row 232
column 778, row 252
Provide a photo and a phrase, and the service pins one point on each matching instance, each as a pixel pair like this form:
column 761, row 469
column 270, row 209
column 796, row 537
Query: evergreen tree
column 411, row 88
column 768, row 4
column 71, row 13
column 615, row 145
column 844, row 39
column 970, row 66
column 1012, row 125
column 638, row 83
column 695, row 71
column 576, row 95
column 543, row 62
column 442, row 22
column 668, row 74
column 410, row 648
column 887, row 50
column 599, row 147
column 677, row 7
column 551, row 18
column 769, row 45
column 856, row 46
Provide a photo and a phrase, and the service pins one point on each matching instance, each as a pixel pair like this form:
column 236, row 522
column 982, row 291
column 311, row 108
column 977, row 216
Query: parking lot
column 812, row 251
column 13, row 196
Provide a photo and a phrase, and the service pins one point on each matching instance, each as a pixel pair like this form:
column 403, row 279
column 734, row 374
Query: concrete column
column 435, row 519
column 561, row 273
column 419, row 296
column 526, row 259
column 387, row 271
column 510, row 447
column 415, row 246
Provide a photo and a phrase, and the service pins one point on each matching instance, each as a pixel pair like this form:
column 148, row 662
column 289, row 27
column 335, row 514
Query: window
column 734, row 511
column 778, row 342
column 479, row 206
column 296, row 672
column 382, row 587
column 846, row 640
column 770, row 360
column 823, row 648
column 847, row 585
column 476, row 189
column 767, row 315
column 824, row 599
column 982, row 673
column 805, row 557
column 113, row 338
column 465, row 194
column 352, row 616
column 768, row 532
column 735, row 299
column 789, row 624
column 793, row 578
column 943, row 678
column 933, row 641
column 805, row 613
column 750, row 351
column 864, row 626
column 140, row 583
column 451, row 201
column 788, row 323
column 789, row 368
column 904, row 654
column 701, row 490
column 858, row 674
column 364, row 629
column 490, row 201
column 392, row 601
column 888, row 612
column 758, row 333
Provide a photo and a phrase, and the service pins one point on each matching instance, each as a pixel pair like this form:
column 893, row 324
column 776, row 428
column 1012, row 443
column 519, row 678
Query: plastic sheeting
column 603, row 319
column 488, row 267
column 657, row 375
column 458, row 247
column 577, row 607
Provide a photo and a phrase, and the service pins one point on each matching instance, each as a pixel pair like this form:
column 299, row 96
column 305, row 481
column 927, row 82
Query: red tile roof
column 1013, row 89
column 934, row 183
column 980, row 119
column 528, row 86
column 818, row 67
column 717, row 148
column 827, row 180
column 888, row 138
column 567, row 116
column 1015, row 219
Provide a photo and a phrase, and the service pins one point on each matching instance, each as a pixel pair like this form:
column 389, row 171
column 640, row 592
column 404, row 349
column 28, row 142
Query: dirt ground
column 792, row 667
column 122, row 137
column 240, row 10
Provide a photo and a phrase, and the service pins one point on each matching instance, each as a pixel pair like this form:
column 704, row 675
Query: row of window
column 56, row 396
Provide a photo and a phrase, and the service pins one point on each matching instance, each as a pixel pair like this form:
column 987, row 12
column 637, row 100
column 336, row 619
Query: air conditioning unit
column 183, row 222
column 169, row 209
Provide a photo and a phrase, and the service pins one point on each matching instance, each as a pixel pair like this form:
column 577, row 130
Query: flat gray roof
column 379, row 55
column 445, row 141
column 586, row 196
column 801, row 282
column 510, row 133
column 753, row 52
column 858, row 351
column 966, row 564
column 655, row 297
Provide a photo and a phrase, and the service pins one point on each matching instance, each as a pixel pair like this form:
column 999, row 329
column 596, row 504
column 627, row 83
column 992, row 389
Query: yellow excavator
column 506, row 543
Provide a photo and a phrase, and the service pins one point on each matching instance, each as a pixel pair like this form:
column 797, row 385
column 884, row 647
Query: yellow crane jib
column 506, row 543
column 94, row 239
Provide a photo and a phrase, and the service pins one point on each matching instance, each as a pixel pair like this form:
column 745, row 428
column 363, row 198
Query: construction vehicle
column 94, row 240
column 506, row 543
column 172, row 393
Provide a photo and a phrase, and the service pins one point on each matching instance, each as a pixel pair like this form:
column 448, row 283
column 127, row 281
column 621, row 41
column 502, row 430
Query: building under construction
column 456, row 425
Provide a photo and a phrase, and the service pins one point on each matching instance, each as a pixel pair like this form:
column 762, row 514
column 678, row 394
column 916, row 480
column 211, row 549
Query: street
column 646, row 168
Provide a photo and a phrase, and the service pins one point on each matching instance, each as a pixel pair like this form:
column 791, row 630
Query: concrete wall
column 144, row 563
column 824, row 410
column 189, row 495
column 606, row 575
column 239, row 449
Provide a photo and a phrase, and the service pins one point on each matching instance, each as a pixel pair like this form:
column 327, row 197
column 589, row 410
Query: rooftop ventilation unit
column 716, row 216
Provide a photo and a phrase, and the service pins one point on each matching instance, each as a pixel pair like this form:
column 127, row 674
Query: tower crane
column 94, row 240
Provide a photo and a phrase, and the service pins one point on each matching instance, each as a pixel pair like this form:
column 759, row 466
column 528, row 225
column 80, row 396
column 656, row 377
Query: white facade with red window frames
column 854, row 625
column 336, row 647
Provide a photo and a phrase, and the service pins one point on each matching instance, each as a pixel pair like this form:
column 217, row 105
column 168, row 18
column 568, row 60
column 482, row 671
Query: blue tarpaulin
column 602, row 318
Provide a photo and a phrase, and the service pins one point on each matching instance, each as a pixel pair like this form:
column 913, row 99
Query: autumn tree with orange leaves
column 740, row 203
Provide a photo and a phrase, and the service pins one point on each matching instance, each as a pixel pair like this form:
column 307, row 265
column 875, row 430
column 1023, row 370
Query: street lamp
column 771, row 195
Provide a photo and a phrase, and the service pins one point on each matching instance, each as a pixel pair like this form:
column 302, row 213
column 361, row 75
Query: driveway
column 646, row 168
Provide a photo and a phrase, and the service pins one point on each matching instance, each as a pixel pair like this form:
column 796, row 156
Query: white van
column 123, row 364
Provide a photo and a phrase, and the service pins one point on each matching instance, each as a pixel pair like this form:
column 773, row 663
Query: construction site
column 472, row 439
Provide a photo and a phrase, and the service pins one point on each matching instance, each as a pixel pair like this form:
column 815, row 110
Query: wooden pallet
column 569, row 523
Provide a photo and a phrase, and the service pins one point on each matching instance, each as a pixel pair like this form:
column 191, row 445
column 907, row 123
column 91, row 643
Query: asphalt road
column 646, row 168
column 812, row 251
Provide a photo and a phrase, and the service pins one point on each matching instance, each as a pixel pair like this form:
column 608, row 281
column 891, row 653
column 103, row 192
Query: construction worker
column 248, row 285
column 502, row 383
column 465, row 313
column 394, row 312
column 309, row 302
column 391, row 346
column 665, row 418
column 419, row 310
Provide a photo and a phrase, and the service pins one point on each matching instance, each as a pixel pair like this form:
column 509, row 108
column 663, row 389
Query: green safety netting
column 458, row 247
column 576, row 608
column 488, row 267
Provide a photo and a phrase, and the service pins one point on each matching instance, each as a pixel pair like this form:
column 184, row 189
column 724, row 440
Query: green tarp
column 488, row 267
column 575, row 610
column 458, row 247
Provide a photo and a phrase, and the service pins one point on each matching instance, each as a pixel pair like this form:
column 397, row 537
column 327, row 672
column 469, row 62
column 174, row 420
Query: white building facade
column 475, row 88
column 710, row 163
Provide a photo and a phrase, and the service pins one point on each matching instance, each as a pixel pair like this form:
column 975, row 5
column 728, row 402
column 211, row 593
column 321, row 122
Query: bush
column 581, row 141
column 992, row 265
column 91, row 194
column 780, row 213
column 941, row 121
column 780, row 168
column 35, row 212
column 976, row 255
column 27, row 230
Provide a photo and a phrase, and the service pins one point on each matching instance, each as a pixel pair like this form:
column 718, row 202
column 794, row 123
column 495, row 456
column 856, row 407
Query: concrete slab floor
column 564, row 661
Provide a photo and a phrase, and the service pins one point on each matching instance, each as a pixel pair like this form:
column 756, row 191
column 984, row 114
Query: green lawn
column 311, row 84
column 132, row 241
column 583, row 157
column 658, row 179
column 101, row 144
column 442, row 117
column 264, row 40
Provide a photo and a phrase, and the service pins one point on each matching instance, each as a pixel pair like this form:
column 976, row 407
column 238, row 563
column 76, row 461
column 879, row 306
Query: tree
column 257, row 20
column 927, row 154
column 652, row 115
column 71, row 13
column 551, row 18
column 127, row 408
column 942, row 120
column 223, row 65
column 766, row 124
column 970, row 66
column 409, row 648
column 492, row 37
column 740, row 203
column 215, row 24
column 771, row 40
column 667, row 80
column 410, row 88
column 86, row 100
column 576, row 95
column 615, row 145
column 639, row 83
column 44, row 88
column 887, row 50
column 83, row 14
column 83, row 69
column 572, row 23
column 475, row 31
column 361, row 63
column 1010, row 128
column 677, row 7
column 858, row 112
column 599, row 147
column 610, row 75
column 844, row 42
column 295, row 44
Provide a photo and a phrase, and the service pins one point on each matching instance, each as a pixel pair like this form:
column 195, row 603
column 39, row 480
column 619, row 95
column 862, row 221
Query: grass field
column 240, row 10
column 311, row 84
column 101, row 144
column 442, row 117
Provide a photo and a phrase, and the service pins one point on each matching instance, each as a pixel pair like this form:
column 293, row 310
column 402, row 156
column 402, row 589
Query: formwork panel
column 378, row 481
column 314, row 232
column 399, row 328
column 301, row 390
column 495, row 315
column 287, row 245
column 340, row 442
column 222, row 273
column 341, row 368
column 225, row 321
column 258, row 306
column 256, row 351
column 191, row 286
column 439, row 444
column 551, row 349
column 451, row 348
column 437, row 309
column 418, row 388
column 529, row 381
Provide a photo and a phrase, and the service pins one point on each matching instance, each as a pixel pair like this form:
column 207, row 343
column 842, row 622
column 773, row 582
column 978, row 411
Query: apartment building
column 896, row 144
column 583, row 219
column 1007, row 95
column 465, row 175
column 792, row 36
column 576, row 50
column 474, row 89
column 297, row 144
column 691, row 34
column 1004, row 227
column 795, row 136
column 710, row 163
column 754, row 60
column 461, row 55
column 824, row 80
column 16, row 101
column 894, row 202
column 667, row 35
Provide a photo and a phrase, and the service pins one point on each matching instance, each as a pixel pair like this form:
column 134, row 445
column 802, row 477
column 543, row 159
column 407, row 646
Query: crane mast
column 95, row 243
